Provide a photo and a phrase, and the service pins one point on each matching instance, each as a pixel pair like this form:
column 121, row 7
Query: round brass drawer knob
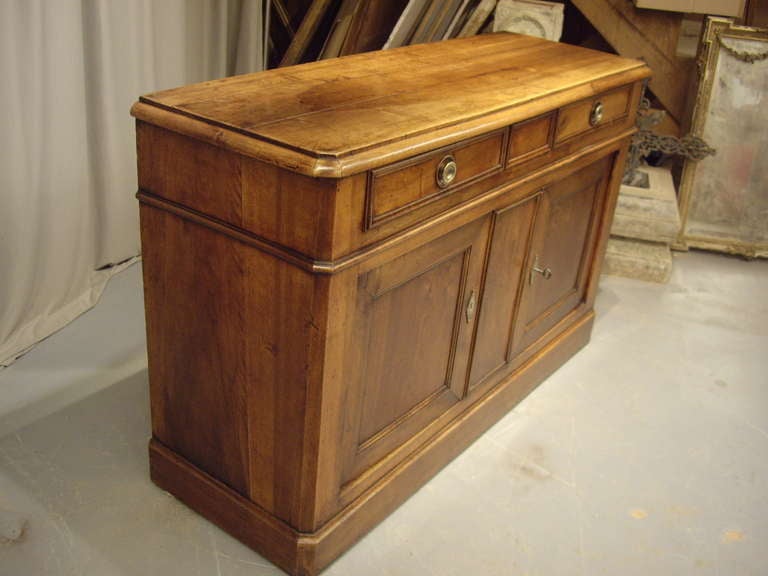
column 596, row 116
column 446, row 171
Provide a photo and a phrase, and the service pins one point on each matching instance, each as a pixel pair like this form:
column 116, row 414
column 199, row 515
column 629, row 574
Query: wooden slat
column 304, row 34
column 371, row 25
column 283, row 16
column 477, row 18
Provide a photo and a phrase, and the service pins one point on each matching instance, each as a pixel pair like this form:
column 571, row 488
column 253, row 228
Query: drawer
column 530, row 139
column 401, row 188
column 591, row 114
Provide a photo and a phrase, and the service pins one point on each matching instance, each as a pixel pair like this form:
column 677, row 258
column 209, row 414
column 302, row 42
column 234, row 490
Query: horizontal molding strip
column 313, row 266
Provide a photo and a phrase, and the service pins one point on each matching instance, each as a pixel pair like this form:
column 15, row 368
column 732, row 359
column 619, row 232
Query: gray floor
column 647, row 454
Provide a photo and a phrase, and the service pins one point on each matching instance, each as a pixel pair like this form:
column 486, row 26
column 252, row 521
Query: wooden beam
column 283, row 16
column 306, row 30
column 650, row 35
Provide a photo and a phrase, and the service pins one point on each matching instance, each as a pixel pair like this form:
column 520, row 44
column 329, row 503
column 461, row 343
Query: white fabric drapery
column 70, row 72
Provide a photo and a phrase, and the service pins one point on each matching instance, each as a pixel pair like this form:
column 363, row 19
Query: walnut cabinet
column 353, row 268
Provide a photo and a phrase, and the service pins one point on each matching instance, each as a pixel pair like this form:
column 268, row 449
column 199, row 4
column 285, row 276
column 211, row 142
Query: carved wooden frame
column 716, row 33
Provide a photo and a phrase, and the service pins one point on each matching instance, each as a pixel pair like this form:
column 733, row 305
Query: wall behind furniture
column 70, row 70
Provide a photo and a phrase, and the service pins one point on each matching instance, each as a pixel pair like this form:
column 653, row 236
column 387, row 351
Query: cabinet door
column 565, row 233
column 510, row 244
column 413, row 326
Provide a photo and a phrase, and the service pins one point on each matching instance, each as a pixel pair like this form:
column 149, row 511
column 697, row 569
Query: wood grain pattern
column 530, row 138
column 488, row 74
column 505, row 276
column 306, row 555
column 236, row 340
column 412, row 183
column 350, row 364
column 574, row 120
column 206, row 179
column 415, row 338
column 197, row 359
column 563, row 243
column 320, row 346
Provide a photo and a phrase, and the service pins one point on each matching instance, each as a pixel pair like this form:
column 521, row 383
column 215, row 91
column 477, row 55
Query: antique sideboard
column 354, row 267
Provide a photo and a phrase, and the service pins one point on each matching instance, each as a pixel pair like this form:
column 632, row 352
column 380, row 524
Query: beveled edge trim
column 371, row 220
column 292, row 256
column 218, row 503
column 311, row 265
column 327, row 165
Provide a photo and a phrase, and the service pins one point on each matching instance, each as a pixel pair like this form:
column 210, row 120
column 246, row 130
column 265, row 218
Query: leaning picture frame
column 724, row 198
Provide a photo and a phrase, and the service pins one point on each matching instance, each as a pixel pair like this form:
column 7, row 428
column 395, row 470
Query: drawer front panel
column 400, row 188
column 530, row 139
column 589, row 115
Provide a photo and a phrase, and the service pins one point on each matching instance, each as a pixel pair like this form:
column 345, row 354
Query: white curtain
column 69, row 72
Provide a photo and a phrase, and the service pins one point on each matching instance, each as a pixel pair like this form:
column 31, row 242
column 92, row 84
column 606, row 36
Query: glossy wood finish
column 444, row 92
column 504, row 281
column 406, row 185
column 531, row 138
column 319, row 347
column 222, row 318
column 576, row 119
column 414, row 322
column 564, row 240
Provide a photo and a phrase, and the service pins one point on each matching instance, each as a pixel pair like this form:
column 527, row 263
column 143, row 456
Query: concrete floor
column 646, row 454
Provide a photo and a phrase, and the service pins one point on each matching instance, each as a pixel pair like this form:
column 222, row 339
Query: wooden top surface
column 340, row 116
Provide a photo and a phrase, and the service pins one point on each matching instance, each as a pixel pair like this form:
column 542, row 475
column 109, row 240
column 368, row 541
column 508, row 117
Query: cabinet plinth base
column 304, row 554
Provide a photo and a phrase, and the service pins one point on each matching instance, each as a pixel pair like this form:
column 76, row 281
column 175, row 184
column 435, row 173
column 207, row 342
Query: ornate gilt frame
column 715, row 31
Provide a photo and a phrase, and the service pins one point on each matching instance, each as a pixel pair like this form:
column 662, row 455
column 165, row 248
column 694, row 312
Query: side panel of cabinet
column 565, row 234
column 235, row 341
column 413, row 326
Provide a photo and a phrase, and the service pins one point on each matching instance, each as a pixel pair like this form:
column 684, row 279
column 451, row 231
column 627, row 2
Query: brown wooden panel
column 414, row 338
column 236, row 345
column 204, row 177
column 342, row 369
column 274, row 204
column 509, row 247
column 564, row 239
column 406, row 185
column 285, row 315
column 574, row 119
column 288, row 208
column 411, row 344
column 197, row 360
column 530, row 139
column 244, row 520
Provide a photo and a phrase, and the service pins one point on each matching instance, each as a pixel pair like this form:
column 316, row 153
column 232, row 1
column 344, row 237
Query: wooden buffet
column 354, row 267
